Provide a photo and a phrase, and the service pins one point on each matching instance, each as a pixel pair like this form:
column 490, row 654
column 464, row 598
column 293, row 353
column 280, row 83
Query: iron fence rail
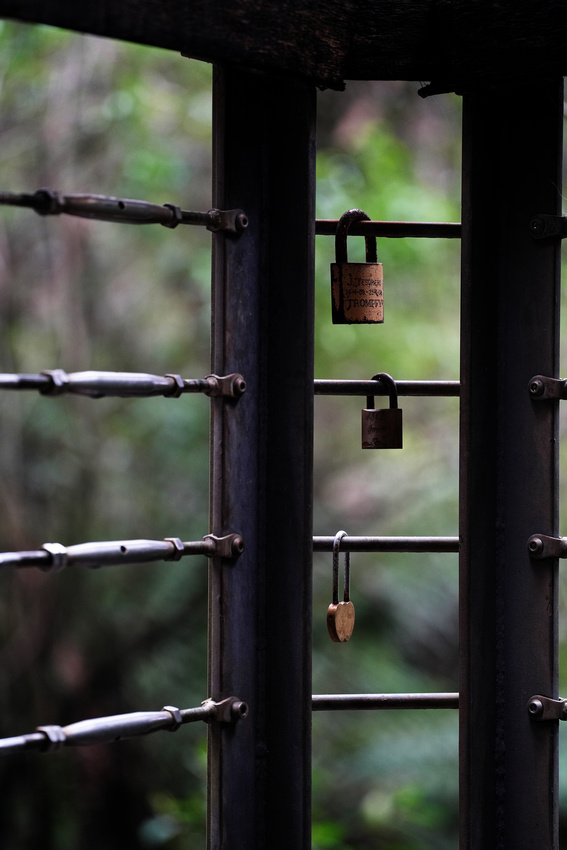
column 404, row 388
column 377, row 702
column 97, row 384
column 52, row 557
column 104, row 730
column 124, row 210
column 393, row 229
column 388, row 544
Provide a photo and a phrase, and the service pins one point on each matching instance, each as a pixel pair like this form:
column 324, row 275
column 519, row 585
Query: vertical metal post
column 509, row 459
column 261, row 485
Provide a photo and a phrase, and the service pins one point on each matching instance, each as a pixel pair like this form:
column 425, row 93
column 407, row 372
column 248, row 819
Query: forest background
column 80, row 114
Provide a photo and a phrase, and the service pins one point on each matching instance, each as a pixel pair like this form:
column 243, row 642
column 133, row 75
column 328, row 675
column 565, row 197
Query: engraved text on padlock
column 357, row 288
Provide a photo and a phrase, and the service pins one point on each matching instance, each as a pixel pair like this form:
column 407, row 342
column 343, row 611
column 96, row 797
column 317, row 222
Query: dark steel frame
column 261, row 465
column 261, row 455
column 509, row 460
column 261, row 461
column 512, row 172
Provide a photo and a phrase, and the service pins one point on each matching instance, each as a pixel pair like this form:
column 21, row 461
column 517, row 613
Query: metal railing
column 52, row 557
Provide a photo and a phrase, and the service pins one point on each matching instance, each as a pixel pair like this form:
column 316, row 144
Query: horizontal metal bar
column 117, row 727
column 392, row 229
column 35, row 558
column 378, row 702
column 388, row 544
column 24, row 382
column 53, row 557
column 18, row 743
column 94, row 384
column 125, row 210
column 376, row 388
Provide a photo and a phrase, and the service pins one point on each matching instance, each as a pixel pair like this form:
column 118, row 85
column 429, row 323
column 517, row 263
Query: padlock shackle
column 341, row 234
column 392, row 390
column 336, row 548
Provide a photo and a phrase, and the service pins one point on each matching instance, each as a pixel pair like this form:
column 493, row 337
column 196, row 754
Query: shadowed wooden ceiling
column 455, row 44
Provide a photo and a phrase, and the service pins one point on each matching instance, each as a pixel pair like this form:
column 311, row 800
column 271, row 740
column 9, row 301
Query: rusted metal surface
column 509, row 466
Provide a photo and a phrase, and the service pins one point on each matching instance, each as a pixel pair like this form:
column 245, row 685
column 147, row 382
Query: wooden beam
column 457, row 44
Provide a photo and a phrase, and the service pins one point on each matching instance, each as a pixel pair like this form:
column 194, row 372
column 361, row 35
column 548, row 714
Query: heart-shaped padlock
column 340, row 615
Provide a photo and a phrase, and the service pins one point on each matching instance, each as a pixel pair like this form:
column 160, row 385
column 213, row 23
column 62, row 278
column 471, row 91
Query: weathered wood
column 457, row 44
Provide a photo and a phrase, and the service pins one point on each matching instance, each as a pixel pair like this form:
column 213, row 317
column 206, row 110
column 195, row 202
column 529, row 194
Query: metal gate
column 262, row 389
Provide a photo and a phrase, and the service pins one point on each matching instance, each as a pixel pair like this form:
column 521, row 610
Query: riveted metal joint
column 229, row 221
column 231, row 546
column 545, row 226
column 543, row 546
column 542, row 388
column 229, row 710
column 544, row 708
column 229, row 386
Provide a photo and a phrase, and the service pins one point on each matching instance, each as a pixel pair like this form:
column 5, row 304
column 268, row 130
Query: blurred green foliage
column 87, row 115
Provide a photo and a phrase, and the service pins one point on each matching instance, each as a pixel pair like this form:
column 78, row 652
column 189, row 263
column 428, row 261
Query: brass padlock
column 382, row 429
column 340, row 615
column 357, row 288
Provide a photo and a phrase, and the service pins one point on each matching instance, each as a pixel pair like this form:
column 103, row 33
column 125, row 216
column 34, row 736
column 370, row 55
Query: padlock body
column 357, row 293
column 340, row 621
column 382, row 429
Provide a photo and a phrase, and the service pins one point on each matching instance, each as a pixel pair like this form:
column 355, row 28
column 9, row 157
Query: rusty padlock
column 382, row 429
column 340, row 615
column 357, row 288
